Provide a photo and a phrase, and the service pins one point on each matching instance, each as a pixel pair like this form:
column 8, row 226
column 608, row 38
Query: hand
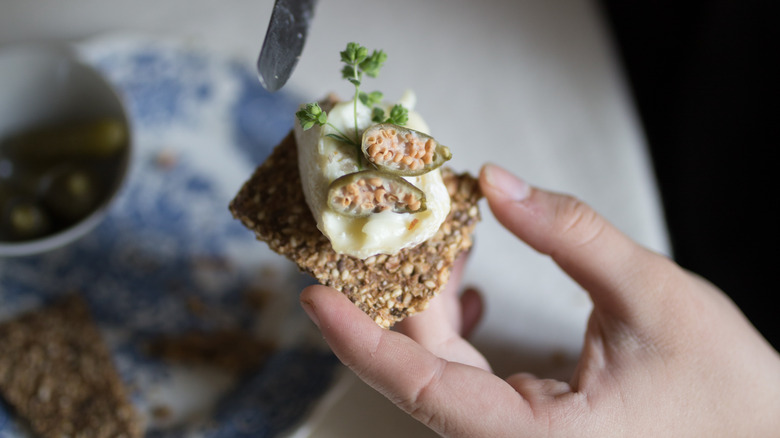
column 665, row 353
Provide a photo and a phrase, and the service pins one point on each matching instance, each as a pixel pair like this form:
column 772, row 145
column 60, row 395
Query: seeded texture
column 386, row 287
column 363, row 193
column 59, row 376
column 402, row 151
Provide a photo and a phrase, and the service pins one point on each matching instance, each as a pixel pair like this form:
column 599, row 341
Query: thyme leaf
column 398, row 115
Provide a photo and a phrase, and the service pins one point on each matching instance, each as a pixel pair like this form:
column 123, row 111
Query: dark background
column 702, row 77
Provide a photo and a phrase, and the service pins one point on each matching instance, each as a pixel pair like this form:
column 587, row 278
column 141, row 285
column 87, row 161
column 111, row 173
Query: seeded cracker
column 387, row 288
column 58, row 375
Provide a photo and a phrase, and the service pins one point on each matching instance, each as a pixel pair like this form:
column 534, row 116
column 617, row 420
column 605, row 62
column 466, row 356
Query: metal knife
column 284, row 39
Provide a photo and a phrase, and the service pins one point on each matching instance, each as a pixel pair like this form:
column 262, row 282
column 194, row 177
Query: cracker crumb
column 232, row 350
column 257, row 298
column 162, row 412
column 166, row 159
column 196, row 306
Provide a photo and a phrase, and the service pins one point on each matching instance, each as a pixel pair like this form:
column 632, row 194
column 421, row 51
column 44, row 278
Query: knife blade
column 284, row 40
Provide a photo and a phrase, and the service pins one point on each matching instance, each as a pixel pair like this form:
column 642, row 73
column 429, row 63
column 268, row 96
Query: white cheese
column 322, row 159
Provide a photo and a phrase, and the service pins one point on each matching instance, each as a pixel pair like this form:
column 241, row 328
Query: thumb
column 621, row 276
column 451, row 398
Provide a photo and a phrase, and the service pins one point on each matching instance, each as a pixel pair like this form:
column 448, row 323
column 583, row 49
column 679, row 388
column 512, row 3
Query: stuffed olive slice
column 363, row 193
column 402, row 151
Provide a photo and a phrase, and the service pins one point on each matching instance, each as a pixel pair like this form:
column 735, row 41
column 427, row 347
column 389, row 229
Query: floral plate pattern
column 169, row 258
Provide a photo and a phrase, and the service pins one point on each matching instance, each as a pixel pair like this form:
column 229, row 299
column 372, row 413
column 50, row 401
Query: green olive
column 75, row 140
column 22, row 218
column 71, row 192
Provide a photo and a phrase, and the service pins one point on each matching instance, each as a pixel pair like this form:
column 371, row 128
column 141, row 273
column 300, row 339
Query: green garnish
column 398, row 115
column 357, row 62
column 371, row 99
column 312, row 114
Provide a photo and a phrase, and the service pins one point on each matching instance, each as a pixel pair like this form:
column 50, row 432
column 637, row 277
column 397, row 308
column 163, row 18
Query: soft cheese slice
column 322, row 159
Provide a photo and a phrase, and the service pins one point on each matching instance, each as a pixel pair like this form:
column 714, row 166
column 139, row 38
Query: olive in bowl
column 65, row 145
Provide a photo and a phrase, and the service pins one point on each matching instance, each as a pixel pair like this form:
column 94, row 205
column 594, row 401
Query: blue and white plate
column 202, row 123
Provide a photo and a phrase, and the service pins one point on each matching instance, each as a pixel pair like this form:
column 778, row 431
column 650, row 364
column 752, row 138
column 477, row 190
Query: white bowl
column 47, row 83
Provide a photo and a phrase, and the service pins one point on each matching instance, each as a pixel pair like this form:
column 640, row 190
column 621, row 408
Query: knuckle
column 421, row 404
column 432, row 419
column 576, row 222
column 364, row 361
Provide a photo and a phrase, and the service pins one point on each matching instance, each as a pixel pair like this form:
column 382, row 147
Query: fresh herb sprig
column 357, row 63
column 312, row 114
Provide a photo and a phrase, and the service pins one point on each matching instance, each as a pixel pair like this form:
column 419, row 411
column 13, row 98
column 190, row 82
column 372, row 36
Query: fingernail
column 308, row 307
column 506, row 183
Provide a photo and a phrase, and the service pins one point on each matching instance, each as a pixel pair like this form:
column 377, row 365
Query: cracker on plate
column 386, row 287
column 58, row 375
